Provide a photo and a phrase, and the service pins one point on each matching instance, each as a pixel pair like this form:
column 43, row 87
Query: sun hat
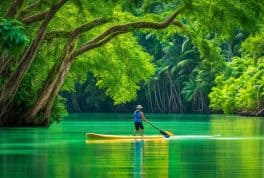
column 139, row 107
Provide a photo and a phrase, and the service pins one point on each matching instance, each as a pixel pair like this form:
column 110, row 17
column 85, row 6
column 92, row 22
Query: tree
column 240, row 88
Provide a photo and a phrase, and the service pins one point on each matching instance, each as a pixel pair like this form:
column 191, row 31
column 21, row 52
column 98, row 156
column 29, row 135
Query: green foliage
column 256, row 50
column 12, row 36
column 190, row 62
column 4, row 6
column 117, row 68
column 240, row 88
column 222, row 17
column 181, row 69
column 58, row 110
column 203, row 74
column 231, row 47
column 88, row 98
column 189, row 89
column 111, row 64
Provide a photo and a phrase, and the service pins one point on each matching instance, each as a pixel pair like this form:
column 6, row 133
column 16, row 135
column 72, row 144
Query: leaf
column 148, row 36
column 184, row 63
column 184, row 45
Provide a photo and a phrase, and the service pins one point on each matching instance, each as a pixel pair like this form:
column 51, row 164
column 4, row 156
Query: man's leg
column 142, row 132
column 136, row 129
column 135, row 132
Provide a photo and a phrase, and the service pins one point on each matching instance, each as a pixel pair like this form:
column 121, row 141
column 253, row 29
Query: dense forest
column 104, row 56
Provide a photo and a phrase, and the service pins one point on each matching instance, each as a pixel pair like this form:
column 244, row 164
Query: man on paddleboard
column 138, row 117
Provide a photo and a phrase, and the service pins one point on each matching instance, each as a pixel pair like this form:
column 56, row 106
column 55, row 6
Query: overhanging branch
column 77, row 31
column 119, row 29
column 88, row 26
column 100, row 43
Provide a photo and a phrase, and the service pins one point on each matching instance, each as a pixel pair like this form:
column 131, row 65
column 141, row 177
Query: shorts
column 139, row 125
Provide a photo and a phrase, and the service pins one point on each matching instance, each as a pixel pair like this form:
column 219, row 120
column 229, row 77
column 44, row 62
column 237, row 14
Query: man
column 138, row 117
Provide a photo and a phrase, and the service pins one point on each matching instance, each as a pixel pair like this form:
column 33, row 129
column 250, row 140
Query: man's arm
column 143, row 117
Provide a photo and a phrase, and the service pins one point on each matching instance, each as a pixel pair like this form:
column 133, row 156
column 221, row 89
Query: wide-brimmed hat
column 139, row 107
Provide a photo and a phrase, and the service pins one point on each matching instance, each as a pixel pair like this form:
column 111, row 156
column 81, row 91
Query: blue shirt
column 137, row 116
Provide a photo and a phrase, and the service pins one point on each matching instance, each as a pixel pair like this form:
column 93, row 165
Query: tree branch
column 181, row 26
column 13, row 8
column 177, row 23
column 37, row 17
column 138, row 25
column 88, row 26
column 34, row 18
column 99, row 43
column 119, row 29
column 57, row 34
column 81, row 29
column 26, row 10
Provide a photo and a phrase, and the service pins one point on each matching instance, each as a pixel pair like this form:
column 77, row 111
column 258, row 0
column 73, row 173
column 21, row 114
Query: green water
column 205, row 146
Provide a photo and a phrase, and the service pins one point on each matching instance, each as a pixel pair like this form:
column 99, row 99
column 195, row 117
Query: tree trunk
column 56, row 89
column 8, row 91
column 180, row 104
column 149, row 98
column 48, row 95
column 13, row 8
column 52, row 84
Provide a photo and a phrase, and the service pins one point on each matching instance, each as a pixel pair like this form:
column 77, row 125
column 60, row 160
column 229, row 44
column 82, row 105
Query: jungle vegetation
column 181, row 53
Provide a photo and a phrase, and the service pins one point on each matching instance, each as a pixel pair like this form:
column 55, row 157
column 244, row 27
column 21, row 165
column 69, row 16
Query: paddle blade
column 169, row 133
column 166, row 134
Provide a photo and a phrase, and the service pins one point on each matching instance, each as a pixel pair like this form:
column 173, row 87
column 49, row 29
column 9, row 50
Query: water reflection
column 129, row 158
column 238, row 152
column 150, row 159
column 241, row 152
column 138, row 158
column 156, row 159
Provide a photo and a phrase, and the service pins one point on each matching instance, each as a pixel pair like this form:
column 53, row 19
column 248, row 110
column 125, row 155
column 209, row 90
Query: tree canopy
column 60, row 41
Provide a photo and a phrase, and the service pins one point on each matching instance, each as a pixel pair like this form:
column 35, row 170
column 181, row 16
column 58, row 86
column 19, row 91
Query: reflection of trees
column 240, row 154
column 192, row 158
column 127, row 159
column 156, row 159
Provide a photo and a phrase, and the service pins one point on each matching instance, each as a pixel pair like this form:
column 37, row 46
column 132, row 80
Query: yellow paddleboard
column 94, row 136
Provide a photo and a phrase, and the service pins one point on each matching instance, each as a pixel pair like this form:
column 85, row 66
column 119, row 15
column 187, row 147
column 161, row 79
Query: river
column 204, row 146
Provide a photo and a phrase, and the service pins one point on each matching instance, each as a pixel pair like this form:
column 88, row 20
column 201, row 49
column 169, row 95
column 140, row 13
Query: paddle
column 166, row 134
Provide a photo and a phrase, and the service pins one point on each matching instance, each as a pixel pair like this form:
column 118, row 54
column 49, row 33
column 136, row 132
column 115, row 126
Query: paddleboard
column 94, row 136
